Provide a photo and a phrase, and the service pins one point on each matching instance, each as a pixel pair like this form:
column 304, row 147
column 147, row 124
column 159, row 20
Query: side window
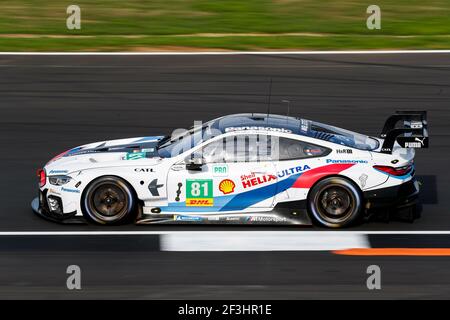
column 290, row 149
column 214, row 152
column 238, row 148
column 248, row 148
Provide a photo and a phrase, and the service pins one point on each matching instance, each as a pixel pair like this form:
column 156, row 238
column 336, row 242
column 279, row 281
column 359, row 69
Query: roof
column 286, row 124
column 261, row 121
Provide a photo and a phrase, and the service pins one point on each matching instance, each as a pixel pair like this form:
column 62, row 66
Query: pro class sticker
column 199, row 193
column 220, row 170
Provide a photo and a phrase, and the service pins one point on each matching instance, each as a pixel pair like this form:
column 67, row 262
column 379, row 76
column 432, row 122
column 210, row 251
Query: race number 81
column 199, row 192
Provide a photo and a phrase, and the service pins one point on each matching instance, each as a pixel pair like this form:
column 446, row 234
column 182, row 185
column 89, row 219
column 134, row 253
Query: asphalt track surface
column 30, row 268
column 49, row 104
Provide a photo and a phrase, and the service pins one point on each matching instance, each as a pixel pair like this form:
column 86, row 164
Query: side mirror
column 194, row 164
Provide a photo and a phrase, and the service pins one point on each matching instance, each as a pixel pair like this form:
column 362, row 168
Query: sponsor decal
column 207, row 202
column 304, row 125
column 81, row 152
column 214, row 218
column 293, row 170
column 413, row 142
column 312, row 152
column 252, row 180
column 53, row 191
column 220, row 170
column 141, row 170
column 227, row 186
column 363, row 180
column 266, row 219
column 177, row 198
column 135, row 155
column 344, row 151
column 271, row 129
column 58, row 171
column 199, row 193
column 416, row 125
column 187, row 218
column 153, row 187
column 235, row 218
column 346, row 161
column 413, row 145
column 148, row 150
column 70, row 190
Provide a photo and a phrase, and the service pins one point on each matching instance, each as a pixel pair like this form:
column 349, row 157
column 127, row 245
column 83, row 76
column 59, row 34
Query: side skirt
column 286, row 213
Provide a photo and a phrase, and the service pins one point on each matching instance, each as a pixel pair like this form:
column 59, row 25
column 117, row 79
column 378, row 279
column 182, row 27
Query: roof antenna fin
column 288, row 108
column 270, row 96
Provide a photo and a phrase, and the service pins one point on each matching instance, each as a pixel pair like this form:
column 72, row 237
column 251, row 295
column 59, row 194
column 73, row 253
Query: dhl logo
column 204, row 202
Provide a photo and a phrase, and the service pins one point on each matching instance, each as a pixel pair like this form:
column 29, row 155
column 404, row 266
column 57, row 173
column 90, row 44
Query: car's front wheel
column 109, row 200
column 335, row 202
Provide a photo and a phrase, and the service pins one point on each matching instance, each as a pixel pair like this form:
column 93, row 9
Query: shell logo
column 227, row 186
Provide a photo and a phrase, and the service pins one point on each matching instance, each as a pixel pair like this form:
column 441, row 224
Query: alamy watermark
column 73, row 21
column 73, row 281
column 373, row 22
column 244, row 146
column 374, row 280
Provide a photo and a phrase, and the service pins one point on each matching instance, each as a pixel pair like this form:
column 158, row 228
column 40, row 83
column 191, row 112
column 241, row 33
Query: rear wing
column 412, row 133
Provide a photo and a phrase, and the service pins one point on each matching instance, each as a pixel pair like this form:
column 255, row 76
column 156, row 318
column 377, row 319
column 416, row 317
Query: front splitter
column 35, row 205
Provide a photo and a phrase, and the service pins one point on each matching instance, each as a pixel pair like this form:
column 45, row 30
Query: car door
column 295, row 158
column 233, row 177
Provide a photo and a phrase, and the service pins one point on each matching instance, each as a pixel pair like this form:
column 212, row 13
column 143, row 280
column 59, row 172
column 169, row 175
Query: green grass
column 31, row 25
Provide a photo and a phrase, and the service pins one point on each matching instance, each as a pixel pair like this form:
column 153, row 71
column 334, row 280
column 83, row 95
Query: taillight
column 400, row 171
column 42, row 177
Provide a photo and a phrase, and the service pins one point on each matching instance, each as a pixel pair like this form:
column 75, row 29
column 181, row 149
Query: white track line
column 180, row 53
column 261, row 241
column 230, row 233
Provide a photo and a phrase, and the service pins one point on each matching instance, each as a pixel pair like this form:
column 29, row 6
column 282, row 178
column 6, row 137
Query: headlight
column 59, row 180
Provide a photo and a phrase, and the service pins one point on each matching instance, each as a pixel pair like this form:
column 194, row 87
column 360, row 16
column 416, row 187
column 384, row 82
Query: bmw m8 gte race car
column 238, row 169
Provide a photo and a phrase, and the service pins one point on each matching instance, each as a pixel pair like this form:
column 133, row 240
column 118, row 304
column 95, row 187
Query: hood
column 104, row 151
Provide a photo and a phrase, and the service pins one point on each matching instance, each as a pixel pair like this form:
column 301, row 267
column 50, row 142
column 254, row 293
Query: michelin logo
column 187, row 218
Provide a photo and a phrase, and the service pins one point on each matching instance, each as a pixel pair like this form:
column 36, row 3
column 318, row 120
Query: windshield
column 342, row 136
column 183, row 140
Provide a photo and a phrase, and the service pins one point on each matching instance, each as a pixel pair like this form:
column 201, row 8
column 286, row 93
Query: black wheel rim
column 335, row 203
column 109, row 202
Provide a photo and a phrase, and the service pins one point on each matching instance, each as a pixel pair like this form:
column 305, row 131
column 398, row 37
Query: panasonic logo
column 346, row 161
column 271, row 129
column 58, row 171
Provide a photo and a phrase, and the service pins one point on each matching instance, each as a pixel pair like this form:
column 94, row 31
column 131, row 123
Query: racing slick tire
column 109, row 200
column 335, row 202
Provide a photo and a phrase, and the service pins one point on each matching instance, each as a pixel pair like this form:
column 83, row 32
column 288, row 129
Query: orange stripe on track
column 435, row 252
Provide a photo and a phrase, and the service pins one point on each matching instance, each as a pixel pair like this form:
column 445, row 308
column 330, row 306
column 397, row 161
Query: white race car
column 238, row 169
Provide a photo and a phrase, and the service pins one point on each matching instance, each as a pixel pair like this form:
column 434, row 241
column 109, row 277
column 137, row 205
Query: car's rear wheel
column 335, row 202
column 109, row 200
